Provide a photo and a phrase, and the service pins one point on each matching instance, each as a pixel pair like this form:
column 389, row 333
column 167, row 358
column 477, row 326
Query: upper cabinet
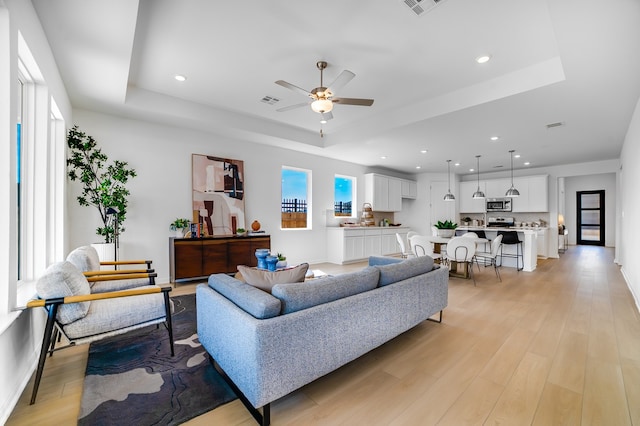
column 466, row 202
column 534, row 194
column 409, row 188
column 384, row 193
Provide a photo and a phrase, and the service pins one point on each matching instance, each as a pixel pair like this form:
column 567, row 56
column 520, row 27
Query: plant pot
column 446, row 233
column 106, row 251
column 281, row 264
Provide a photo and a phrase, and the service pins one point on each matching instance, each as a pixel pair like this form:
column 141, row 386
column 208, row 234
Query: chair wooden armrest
column 123, row 272
column 111, row 277
column 40, row 303
column 126, row 262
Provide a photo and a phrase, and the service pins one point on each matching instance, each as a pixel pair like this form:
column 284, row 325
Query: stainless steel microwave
column 498, row 204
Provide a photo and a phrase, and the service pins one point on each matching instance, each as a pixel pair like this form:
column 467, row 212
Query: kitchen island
column 526, row 235
column 354, row 244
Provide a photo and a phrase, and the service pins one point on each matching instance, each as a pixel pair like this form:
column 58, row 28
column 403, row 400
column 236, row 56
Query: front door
column 590, row 220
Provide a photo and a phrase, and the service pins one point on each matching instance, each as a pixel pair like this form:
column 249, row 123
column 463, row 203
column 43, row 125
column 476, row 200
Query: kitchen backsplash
column 528, row 218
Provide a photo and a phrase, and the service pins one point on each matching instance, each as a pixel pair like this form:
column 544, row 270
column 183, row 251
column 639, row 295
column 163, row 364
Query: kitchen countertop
column 502, row 228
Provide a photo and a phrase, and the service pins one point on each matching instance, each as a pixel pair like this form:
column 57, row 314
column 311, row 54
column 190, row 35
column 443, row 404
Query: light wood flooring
column 558, row 346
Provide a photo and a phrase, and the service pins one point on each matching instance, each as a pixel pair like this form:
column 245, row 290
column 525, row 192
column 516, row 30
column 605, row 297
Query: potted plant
column 446, row 229
column 103, row 185
column 282, row 261
column 179, row 225
column 466, row 220
column 241, row 232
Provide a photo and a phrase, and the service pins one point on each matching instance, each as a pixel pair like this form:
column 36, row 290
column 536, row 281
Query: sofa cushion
column 406, row 269
column 295, row 297
column 383, row 260
column 248, row 298
column 265, row 280
column 62, row 279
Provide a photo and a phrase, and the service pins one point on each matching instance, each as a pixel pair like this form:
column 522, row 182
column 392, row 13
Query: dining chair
column 491, row 257
column 422, row 246
column 403, row 250
column 460, row 250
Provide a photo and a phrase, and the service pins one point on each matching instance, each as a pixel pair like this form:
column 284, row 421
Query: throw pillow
column 61, row 280
column 248, row 298
column 265, row 280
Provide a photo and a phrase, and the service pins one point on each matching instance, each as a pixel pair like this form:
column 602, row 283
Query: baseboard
column 630, row 287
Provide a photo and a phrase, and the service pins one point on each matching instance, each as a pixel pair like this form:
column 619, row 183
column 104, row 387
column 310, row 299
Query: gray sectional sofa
column 268, row 345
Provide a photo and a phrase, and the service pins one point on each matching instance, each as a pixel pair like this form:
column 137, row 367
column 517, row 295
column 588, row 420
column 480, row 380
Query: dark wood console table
column 197, row 258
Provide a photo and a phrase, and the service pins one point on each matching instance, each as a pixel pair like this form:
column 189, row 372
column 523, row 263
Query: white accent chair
column 83, row 317
column 460, row 251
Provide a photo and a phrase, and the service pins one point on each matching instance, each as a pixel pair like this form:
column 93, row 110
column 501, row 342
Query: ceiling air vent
column 552, row 125
column 270, row 100
column 420, row 7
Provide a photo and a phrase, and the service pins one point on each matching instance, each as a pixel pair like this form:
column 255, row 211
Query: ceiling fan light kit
column 322, row 98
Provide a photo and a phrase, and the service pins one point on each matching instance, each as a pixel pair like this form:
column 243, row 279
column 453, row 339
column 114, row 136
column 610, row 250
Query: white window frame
column 354, row 192
column 308, row 200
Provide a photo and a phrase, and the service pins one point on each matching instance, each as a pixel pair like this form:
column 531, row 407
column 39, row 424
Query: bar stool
column 511, row 238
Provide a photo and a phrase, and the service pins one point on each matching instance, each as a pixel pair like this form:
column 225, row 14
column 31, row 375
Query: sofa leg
column 439, row 320
column 263, row 418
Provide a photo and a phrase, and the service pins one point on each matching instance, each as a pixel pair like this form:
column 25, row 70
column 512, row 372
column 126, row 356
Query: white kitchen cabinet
column 542, row 243
column 384, row 193
column 345, row 245
column 372, row 242
column 466, row 202
column 539, row 193
column 520, row 204
column 496, row 188
column 409, row 189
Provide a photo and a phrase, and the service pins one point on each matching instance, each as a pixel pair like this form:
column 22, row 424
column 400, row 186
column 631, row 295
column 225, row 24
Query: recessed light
column 527, row 163
column 483, row 59
column 471, row 170
column 424, row 151
column 323, row 121
column 494, row 138
column 180, row 77
column 384, row 157
column 456, row 164
column 516, row 155
column 418, row 167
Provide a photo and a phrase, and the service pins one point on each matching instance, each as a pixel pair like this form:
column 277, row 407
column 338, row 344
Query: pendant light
column 512, row 192
column 478, row 194
column 449, row 196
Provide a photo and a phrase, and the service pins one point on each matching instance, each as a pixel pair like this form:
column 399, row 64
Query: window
column 296, row 198
column 344, row 196
column 37, row 159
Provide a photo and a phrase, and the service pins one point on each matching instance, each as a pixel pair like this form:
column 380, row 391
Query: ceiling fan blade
column 290, row 107
column 294, row 88
column 326, row 116
column 344, row 77
column 353, row 101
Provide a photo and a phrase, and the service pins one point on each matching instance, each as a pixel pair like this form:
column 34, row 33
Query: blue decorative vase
column 261, row 255
column 271, row 262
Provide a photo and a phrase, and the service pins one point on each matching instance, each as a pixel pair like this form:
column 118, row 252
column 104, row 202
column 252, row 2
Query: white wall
column 629, row 202
column 161, row 192
column 606, row 182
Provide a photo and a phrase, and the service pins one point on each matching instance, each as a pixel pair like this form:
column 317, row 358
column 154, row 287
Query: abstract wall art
column 217, row 194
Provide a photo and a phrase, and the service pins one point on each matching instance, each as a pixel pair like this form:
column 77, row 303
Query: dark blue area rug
column 133, row 379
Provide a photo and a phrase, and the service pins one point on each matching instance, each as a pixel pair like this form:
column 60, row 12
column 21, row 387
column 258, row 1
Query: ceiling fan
column 322, row 98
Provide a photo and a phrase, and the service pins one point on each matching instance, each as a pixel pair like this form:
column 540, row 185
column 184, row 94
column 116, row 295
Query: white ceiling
column 570, row 61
